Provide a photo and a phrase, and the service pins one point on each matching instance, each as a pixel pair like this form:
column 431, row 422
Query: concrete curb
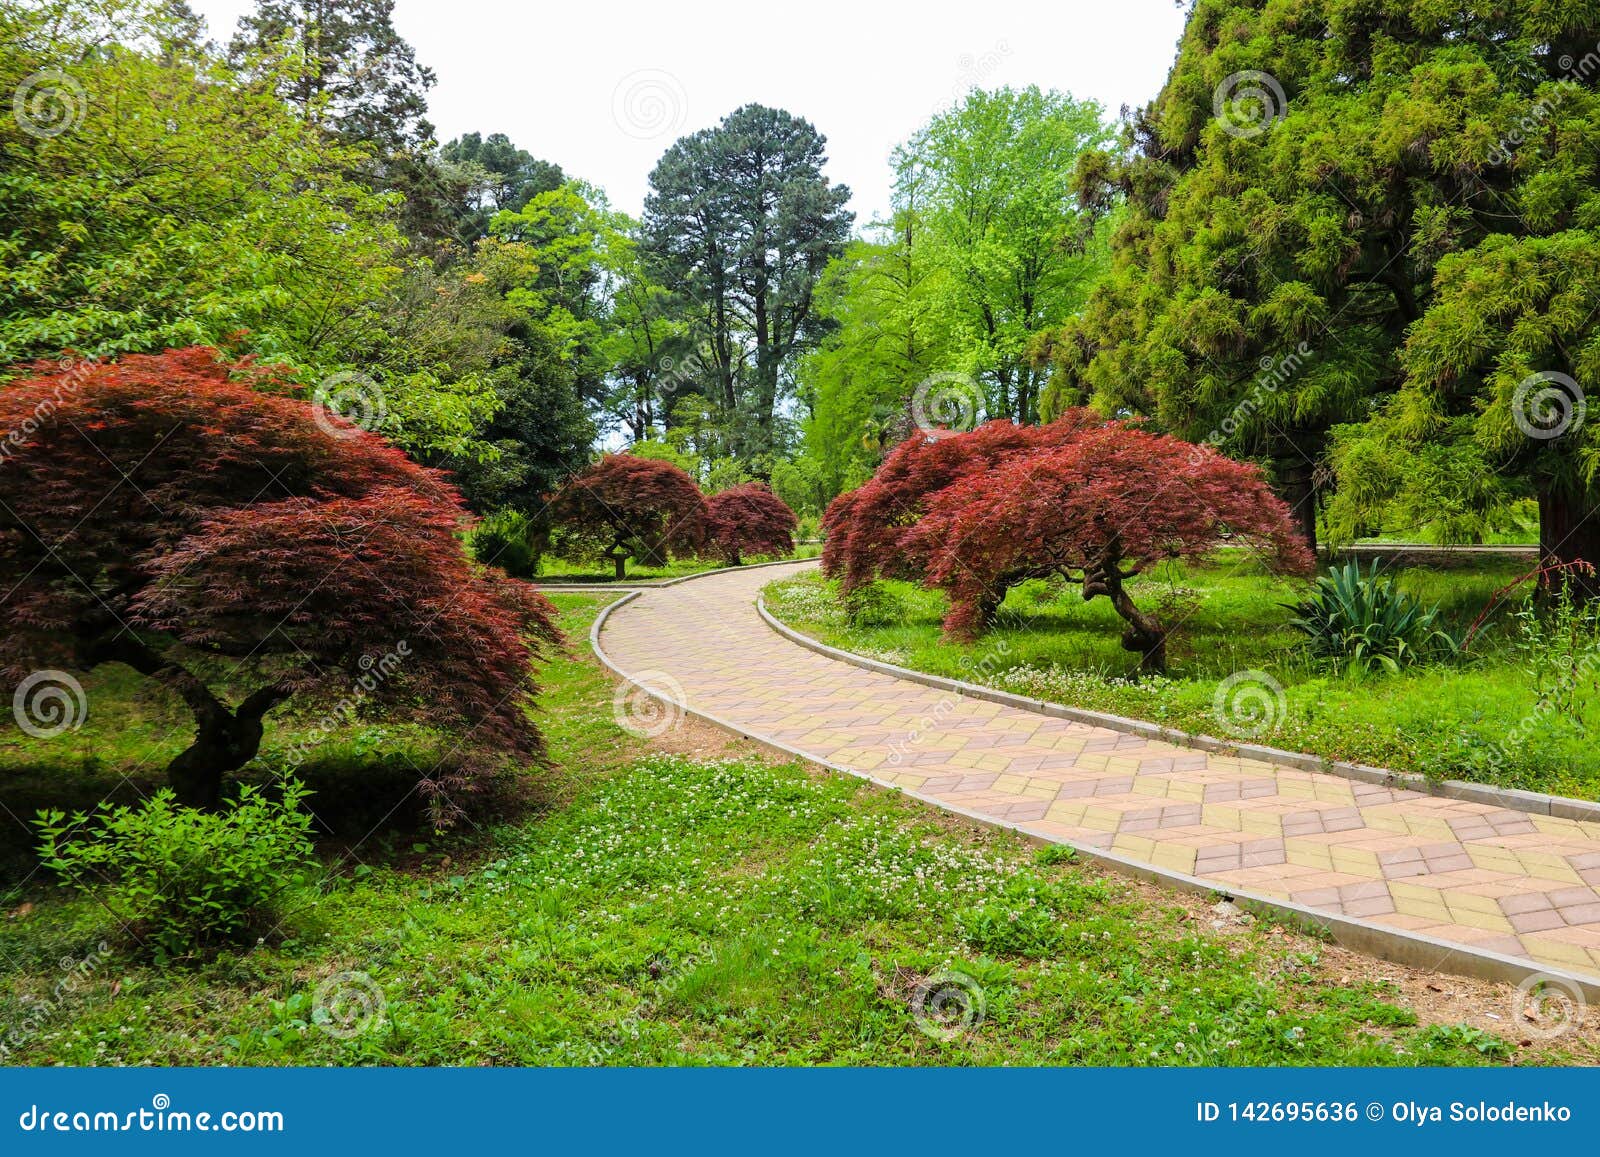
column 1393, row 944
column 1513, row 799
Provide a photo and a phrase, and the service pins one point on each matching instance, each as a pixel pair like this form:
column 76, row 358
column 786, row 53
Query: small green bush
column 1559, row 648
column 874, row 605
column 503, row 540
column 1363, row 623
column 183, row 879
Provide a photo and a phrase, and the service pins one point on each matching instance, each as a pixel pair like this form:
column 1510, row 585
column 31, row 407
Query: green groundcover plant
column 182, row 880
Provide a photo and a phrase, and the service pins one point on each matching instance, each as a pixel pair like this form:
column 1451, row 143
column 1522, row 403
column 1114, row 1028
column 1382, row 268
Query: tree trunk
column 1298, row 487
column 225, row 740
column 1569, row 532
column 1144, row 635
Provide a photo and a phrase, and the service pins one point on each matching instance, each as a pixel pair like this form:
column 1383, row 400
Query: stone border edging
column 1514, row 799
column 1393, row 944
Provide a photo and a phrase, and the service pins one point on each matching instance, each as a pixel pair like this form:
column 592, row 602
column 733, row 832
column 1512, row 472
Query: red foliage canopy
column 1097, row 509
column 626, row 507
column 161, row 512
column 749, row 519
column 868, row 529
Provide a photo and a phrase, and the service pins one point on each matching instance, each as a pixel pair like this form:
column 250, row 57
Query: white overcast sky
column 603, row 88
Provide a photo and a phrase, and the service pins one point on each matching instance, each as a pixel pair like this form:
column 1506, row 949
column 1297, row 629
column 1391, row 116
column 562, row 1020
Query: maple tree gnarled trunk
column 1144, row 635
column 1569, row 532
column 225, row 738
column 224, row 741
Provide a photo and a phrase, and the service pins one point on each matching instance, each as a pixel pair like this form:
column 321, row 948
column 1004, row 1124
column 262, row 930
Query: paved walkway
column 1467, row 873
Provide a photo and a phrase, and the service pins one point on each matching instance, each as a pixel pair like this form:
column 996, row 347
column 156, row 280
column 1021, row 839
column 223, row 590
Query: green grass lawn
column 554, row 569
column 1478, row 719
column 689, row 902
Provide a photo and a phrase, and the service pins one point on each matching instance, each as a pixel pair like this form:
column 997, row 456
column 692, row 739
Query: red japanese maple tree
column 749, row 519
column 867, row 530
column 625, row 507
column 1097, row 510
column 166, row 513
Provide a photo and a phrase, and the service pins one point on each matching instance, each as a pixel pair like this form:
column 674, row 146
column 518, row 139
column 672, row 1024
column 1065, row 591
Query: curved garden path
column 1470, row 887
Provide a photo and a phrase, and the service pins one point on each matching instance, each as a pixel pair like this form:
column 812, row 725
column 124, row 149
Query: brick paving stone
column 1466, row 873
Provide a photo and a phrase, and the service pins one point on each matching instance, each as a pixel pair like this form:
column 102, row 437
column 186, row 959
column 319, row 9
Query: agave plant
column 1360, row 621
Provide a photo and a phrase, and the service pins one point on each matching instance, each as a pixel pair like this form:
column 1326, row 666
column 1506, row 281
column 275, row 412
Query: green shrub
column 1559, row 648
column 183, row 879
column 874, row 605
column 1361, row 622
column 503, row 540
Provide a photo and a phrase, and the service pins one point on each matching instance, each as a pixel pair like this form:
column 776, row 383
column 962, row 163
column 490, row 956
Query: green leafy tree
column 888, row 333
column 741, row 220
column 343, row 65
column 491, row 174
column 1314, row 181
column 1013, row 251
column 133, row 229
